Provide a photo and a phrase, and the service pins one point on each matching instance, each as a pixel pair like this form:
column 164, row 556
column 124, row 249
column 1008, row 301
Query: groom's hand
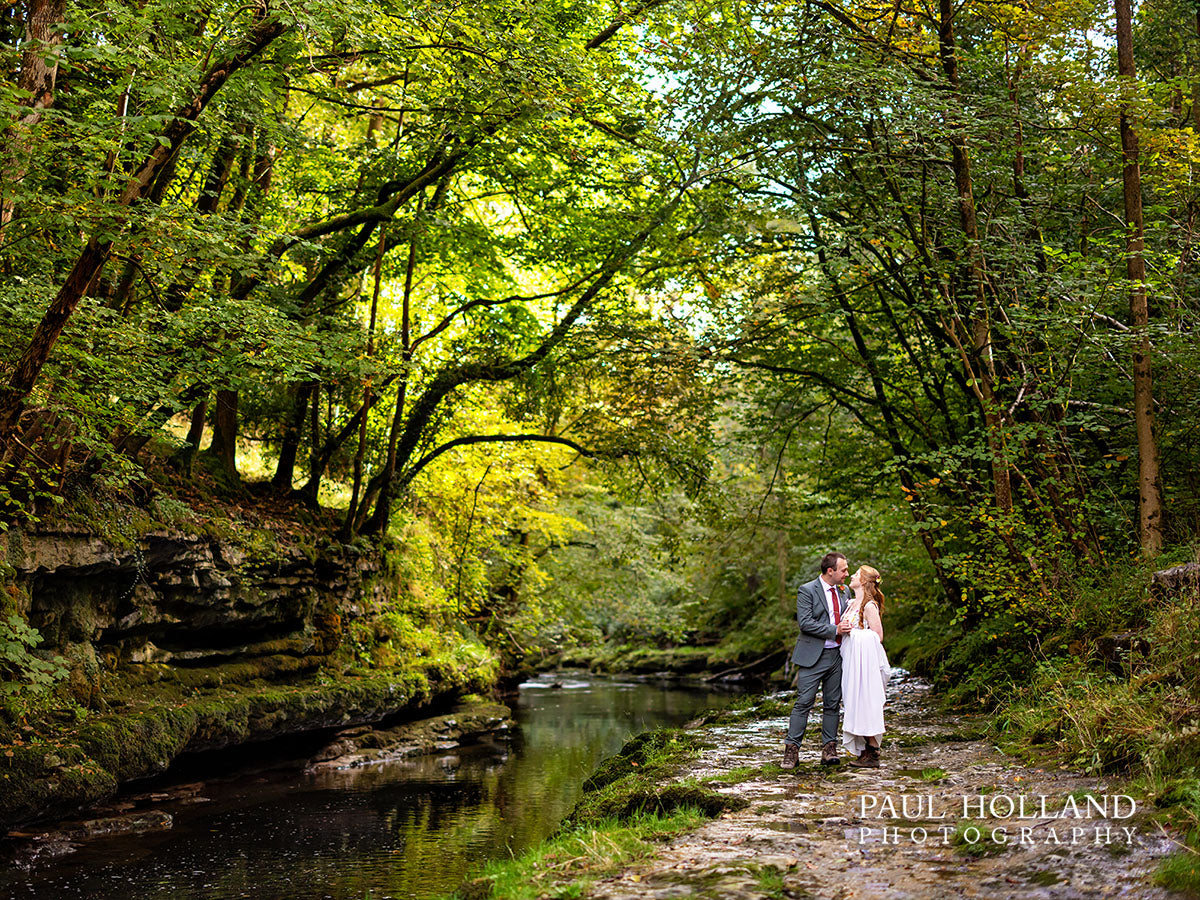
column 844, row 627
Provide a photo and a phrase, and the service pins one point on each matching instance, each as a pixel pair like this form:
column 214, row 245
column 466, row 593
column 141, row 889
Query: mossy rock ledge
column 85, row 765
column 183, row 642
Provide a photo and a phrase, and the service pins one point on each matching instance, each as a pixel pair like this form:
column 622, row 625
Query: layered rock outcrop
column 189, row 601
column 182, row 643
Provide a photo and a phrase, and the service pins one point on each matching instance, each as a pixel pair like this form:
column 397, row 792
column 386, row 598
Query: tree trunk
column 312, row 487
column 215, row 180
column 95, row 253
column 194, row 436
column 899, row 450
column 29, row 366
column 223, row 449
column 348, row 528
column 39, row 72
column 377, row 523
column 289, row 449
column 1020, row 189
column 1149, row 498
column 251, row 199
column 980, row 325
column 426, row 405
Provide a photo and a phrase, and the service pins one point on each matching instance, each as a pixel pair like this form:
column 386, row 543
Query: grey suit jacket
column 812, row 615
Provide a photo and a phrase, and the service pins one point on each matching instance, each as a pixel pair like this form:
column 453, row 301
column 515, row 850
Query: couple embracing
column 840, row 650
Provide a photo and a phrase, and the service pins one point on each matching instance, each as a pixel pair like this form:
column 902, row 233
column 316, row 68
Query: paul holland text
column 1027, row 819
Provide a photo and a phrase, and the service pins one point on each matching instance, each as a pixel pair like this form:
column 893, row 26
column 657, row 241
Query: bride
column 865, row 670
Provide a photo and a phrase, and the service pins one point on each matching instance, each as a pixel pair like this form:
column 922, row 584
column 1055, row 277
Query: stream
column 410, row 828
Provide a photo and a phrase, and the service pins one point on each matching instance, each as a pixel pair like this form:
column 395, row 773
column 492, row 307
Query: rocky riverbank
column 50, row 775
column 153, row 809
column 898, row 831
column 181, row 641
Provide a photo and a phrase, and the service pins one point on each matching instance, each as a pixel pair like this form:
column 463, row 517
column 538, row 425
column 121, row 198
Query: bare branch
column 429, row 457
column 482, row 303
column 620, row 21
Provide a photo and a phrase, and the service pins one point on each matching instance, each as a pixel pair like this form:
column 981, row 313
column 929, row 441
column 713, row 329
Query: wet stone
column 364, row 745
column 805, row 826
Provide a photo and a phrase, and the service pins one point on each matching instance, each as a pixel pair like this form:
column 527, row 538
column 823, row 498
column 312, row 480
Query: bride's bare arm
column 871, row 614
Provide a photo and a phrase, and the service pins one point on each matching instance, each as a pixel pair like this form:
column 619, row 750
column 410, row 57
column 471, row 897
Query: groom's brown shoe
column 791, row 756
column 829, row 754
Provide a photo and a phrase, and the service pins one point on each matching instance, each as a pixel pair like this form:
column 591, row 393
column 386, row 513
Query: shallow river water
column 406, row 829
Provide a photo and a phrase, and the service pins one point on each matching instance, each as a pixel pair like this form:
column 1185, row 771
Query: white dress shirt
column 830, row 644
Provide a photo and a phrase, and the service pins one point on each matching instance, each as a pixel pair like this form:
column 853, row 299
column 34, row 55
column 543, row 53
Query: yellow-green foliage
column 416, row 620
column 471, row 546
column 394, row 640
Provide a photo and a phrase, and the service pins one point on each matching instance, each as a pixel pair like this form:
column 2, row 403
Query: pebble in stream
column 802, row 835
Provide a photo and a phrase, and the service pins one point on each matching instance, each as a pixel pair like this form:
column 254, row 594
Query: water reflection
column 408, row 829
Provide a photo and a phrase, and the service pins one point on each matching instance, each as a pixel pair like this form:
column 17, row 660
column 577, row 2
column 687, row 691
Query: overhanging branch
column 429, row 457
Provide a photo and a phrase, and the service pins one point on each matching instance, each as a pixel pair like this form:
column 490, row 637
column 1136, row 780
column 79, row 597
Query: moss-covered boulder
column 638, row 780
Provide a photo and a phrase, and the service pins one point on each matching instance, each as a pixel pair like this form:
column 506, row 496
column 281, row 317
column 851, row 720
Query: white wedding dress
column 865, row 674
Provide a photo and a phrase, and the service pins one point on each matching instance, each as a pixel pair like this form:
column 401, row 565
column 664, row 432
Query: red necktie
column 837, row 611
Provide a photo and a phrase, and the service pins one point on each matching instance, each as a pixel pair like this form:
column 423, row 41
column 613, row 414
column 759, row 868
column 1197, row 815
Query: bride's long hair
column 870, row 579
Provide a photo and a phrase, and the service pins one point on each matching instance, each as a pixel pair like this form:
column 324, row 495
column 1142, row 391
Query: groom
column 819, row 607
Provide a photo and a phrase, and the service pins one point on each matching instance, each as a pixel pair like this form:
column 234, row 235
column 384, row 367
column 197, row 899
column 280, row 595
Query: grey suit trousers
column 826, row 674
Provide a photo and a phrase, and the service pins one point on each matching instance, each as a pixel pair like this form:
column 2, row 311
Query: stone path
column 819, row 833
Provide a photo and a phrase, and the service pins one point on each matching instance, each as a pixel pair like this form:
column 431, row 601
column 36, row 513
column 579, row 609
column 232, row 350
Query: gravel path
column 819, row 833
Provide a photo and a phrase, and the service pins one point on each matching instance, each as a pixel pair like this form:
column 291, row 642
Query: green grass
column 1180, row 872
column 1178, row 800
column 633, row 800
column 566, row 864
column 1178, row 806
column 933, row 774
column 752, row 709
column 633, row 796
column 648, row 755
column 902, row 739
column 1109, row 693
column 913, row 739
column 736, row 775
column 974, row 839
column 770, row 882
